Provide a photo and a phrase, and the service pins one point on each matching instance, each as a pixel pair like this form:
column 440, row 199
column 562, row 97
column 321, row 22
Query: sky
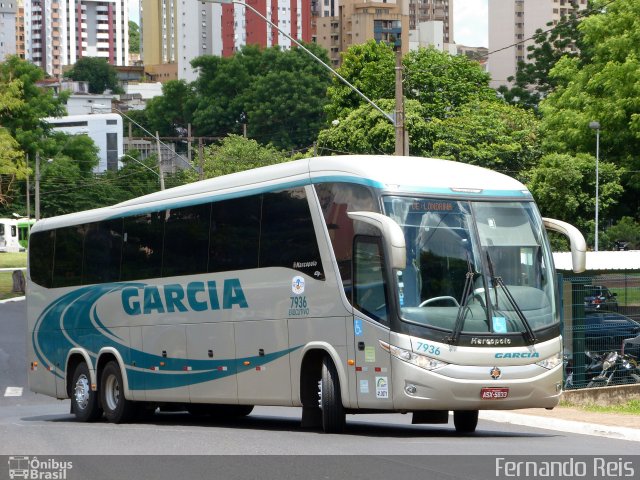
column 470, row 21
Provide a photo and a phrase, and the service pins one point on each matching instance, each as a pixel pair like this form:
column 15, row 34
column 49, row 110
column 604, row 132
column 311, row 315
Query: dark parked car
column 605, row 332
column 598, row 297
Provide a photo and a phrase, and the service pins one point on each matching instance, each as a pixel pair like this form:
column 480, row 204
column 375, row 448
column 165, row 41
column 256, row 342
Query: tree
column 170, row 113
column 26, row 103
column 134, row 37
column 532, row 81
column 364, row 130
column 604, row 88
column 12, row 167
column 564, row 188
column 370, row 67
column 98, row 72
column 489, row 134
column 236, row 154
column 439, row 81
column 627, row 230
column 281, row 93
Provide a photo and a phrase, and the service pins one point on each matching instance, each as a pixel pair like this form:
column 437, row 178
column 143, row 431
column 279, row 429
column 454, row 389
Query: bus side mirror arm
column 578, row 244
column 392, row 235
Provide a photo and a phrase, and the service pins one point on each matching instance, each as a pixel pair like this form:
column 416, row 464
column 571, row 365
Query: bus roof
column 393, row 174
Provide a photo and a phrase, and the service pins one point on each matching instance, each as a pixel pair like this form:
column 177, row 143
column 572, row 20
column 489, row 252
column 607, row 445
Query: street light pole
column 37, row 196
column 399, row 148
column 596, row 126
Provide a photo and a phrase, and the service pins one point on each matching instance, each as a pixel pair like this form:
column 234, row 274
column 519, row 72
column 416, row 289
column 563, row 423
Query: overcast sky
column 470, row 18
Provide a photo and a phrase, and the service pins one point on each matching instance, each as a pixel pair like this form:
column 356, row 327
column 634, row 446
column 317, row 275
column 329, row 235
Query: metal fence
column 601, row 324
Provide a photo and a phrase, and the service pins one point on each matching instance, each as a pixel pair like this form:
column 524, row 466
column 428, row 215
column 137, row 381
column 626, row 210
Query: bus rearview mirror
column 392, row 235
column 576, row 240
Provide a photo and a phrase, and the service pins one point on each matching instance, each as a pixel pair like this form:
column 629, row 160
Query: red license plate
column 494, row 393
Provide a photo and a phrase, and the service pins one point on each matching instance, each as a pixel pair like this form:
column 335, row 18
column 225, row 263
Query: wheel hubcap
column 112, row 392
column 82, row 392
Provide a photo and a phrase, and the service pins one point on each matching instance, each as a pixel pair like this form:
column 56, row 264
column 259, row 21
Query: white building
column 105, row 129
column 60, row 32
column 8, row 14
column 512, row 23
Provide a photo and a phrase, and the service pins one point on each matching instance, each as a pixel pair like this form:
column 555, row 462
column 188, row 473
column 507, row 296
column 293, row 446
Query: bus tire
column 85, row 404
column 465, row 421
column 117, row 409
column 333, row 415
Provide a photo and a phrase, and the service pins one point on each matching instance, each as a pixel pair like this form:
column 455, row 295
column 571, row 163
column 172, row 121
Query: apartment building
column 350, row 22
column 177, row 31
column 421, row 11
column 512, row 23
column 10, row 22
column 60, row 32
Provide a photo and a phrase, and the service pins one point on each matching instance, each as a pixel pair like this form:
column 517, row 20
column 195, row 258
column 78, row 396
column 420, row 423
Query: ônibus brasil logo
column 34, row 468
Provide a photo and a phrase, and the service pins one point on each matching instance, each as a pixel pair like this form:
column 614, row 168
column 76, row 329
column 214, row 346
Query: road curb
column 569, row 426
column 14, row 299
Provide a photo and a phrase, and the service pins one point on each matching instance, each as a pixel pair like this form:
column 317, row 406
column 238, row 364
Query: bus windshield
column 474, row 267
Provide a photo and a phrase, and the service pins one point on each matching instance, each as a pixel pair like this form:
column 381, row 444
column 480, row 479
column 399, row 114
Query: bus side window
column 370, row 292
column 102, row 252
column 14, row 231
column 41, row 257
column 67, row 264
column 186, row 240
column 287, row 237
column 234, row 236
column 142, row 246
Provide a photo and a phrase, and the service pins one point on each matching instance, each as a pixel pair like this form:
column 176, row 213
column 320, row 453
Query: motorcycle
column 612, row 368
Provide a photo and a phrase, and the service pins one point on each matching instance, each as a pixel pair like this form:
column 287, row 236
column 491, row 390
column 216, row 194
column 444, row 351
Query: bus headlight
column 551, row 362
column 413, row 358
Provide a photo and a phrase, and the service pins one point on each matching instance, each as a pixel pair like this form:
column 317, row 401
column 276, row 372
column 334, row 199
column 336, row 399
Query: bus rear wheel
column 333, row 415
column 465, row 421
column 86, row 407
column 117, row 409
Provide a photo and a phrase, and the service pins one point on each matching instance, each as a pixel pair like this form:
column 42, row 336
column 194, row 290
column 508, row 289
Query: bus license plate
column 494, row 393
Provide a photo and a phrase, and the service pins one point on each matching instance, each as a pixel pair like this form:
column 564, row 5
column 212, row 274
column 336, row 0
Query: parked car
column 599, row 297
column 606, row 331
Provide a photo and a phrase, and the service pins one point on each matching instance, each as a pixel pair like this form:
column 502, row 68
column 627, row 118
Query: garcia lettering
column 197, row 297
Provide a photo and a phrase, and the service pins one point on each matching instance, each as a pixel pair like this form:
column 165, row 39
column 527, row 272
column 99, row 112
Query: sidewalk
column 572, row 420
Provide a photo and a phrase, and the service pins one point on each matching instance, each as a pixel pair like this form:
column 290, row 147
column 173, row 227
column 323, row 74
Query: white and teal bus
column 351, row 284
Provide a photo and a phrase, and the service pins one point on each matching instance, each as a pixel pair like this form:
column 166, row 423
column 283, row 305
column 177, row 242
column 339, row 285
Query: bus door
column 371, row 324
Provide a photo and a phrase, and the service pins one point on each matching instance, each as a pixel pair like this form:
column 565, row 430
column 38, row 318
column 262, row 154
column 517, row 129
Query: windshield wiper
column 466, row 291
column 528, row 333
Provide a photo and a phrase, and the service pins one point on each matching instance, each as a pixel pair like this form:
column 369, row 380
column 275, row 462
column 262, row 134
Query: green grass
column 632, row 407
column 11, row 260
column 627, row 296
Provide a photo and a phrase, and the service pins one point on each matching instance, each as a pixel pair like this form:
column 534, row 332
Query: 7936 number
column 427, row 348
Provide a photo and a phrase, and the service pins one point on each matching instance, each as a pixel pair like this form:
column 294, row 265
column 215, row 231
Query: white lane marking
column 13, row 392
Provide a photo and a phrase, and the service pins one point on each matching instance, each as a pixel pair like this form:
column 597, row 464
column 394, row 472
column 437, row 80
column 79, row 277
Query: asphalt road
column 34, row 424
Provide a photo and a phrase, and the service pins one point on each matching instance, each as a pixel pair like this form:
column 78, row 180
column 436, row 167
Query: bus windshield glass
column 474, row 267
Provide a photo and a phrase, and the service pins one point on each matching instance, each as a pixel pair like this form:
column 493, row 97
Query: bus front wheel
column 333, row 415
column 86, row 407
column 117, row 409
column 465, row 421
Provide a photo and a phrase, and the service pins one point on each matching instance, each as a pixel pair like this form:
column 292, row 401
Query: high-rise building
column 421, row 11
column 343, row 23
column 177, row 31
column 60, row 32
column 8, row 28
column 512, row 24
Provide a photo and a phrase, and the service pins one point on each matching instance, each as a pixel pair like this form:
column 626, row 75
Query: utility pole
column 28, row 198
column 189, row 140
column 37, row 186
column 402, row 144
column 201, row 157
column 160, row 161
